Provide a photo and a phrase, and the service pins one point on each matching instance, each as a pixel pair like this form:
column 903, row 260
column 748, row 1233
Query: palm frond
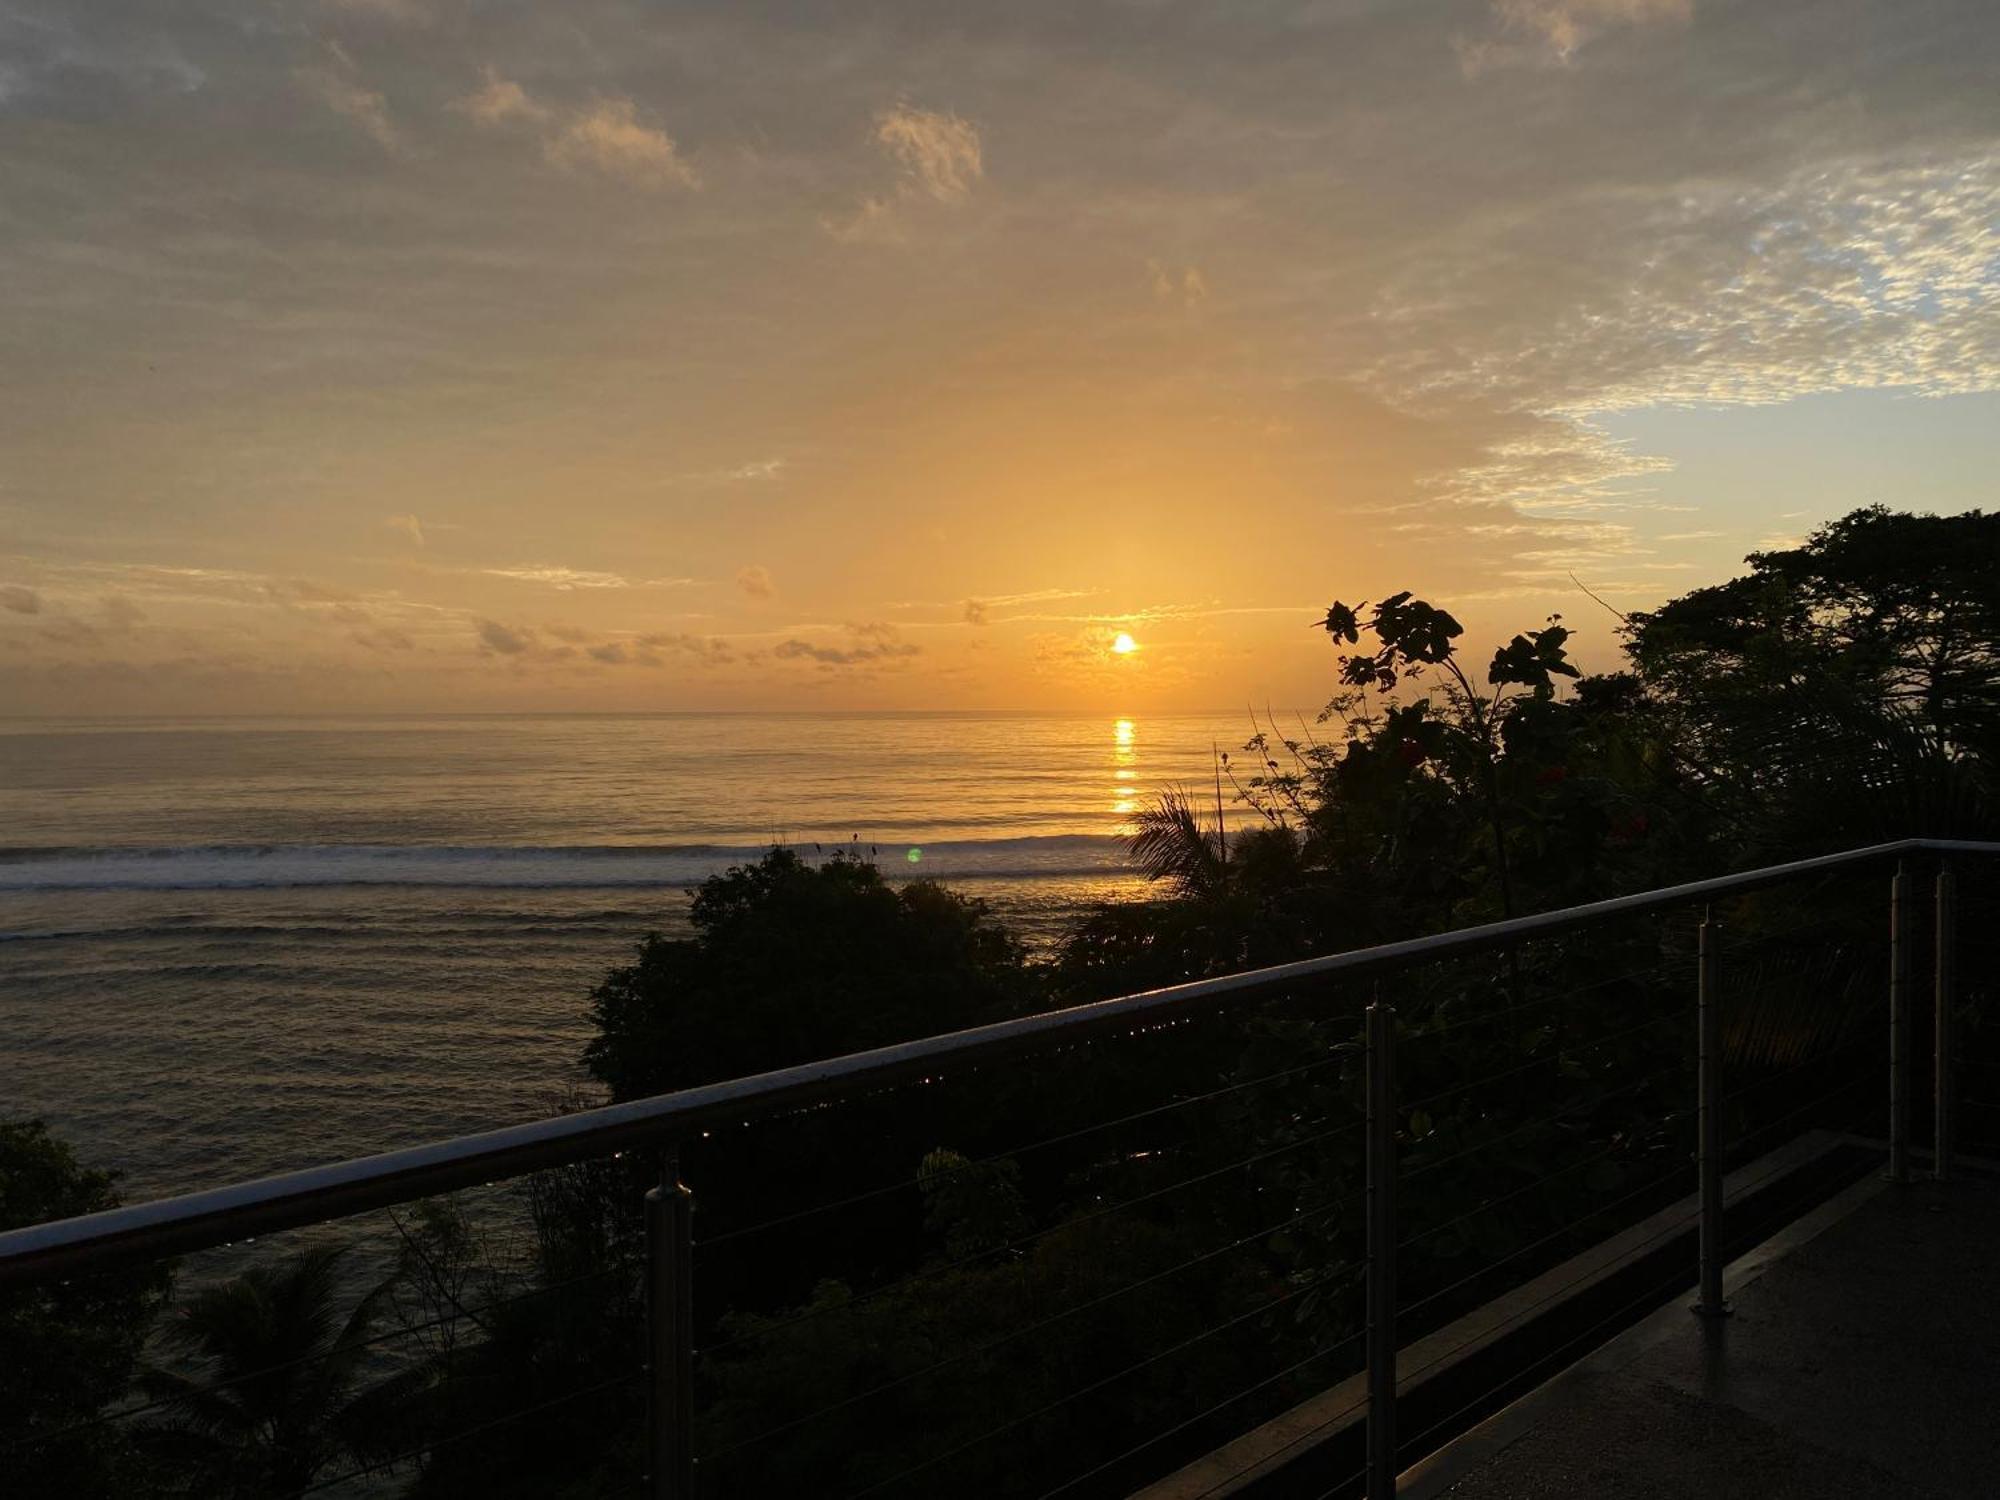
column 1171, row 846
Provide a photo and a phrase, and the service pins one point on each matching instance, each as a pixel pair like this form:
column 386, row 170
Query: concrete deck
column 1863, row 1360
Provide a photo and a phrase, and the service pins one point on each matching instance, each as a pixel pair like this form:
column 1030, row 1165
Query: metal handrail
column 219, row 1216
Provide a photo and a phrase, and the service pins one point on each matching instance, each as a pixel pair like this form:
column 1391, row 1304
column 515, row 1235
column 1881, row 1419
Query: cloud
column 707, row 650
column 335, row 86
column 756, row 581
column 938, row 154
column 1189, row 288
column 975, row 612
column 565, row 578
column 410, row 526
column 501, row 101
column 609, row 138
column 16, row 599
column 873, row 222
column 844, row 656
column 507, row 641
column 1544, row 31
column 606, row 136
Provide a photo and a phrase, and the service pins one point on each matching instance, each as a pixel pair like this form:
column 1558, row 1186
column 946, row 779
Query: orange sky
column 427, row 354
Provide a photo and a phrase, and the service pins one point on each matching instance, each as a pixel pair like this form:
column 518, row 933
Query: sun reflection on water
column 1124, row 770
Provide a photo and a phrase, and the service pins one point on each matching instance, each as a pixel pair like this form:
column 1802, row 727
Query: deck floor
column 1864, row 1362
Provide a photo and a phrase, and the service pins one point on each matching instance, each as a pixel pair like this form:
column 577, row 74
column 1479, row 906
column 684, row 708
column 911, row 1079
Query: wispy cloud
column 500, row 101
column 874, row 642
column 410, row 526
column 939, row 159
column 556, row 576
column 606, row 137
column 20, row 600
column 334, row 83
column 609, row 137
column 939, row 154
column 1186, row 287
column 756, row 581
column 1553, row 31
column 506, row 640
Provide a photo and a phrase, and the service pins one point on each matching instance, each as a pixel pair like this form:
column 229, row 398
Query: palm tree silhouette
column 274, row 1396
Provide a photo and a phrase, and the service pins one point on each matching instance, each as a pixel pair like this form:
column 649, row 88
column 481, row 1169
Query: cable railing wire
column 930, row 1273
column 247, row 1377
column 1651, row 1186
column 1240, row 1243
column 1543, row 1061
column 904, row 1184
column 1611, row 1149
column 1539, row 1121
column 1097, row 1385
column 1198, row 1418
column 411, row 1455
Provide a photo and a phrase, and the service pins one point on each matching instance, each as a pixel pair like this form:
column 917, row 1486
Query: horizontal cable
column 1199, row 1417
column 409, row 1455
column 1544, row 1242
column 1669, row 1233
column 1239, row 1243
column 1540, row 1120
column 1680, row 1277
column 1097, row 1385
column 1546, row 1239
column 1541, row 1181
column 906, row 1183
column 1655, row 1295
column 932, row 1272
column 1487, row 1018
column 387, row 1335
column 1789, row 1116
column 1763, row 1083
column 1533, row 1063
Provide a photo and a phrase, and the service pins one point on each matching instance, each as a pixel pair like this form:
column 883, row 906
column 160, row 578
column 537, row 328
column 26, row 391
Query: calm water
column 232, row 947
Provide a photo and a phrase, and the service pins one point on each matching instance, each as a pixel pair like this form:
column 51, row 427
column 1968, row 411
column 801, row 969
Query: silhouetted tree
column 67, row 1347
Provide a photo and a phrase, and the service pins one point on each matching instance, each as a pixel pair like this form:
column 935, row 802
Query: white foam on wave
column 249, row 867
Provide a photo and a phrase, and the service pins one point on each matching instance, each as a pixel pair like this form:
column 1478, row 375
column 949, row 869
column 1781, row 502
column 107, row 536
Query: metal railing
column 198, row 1221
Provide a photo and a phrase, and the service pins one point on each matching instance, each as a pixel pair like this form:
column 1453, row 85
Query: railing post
column 1708, row 1115
column 1899, row 1025
column 1381, row 1192
column 670, row 1330
column 1945, row 970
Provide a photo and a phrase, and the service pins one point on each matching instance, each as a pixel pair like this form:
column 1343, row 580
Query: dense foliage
column 69, row 1348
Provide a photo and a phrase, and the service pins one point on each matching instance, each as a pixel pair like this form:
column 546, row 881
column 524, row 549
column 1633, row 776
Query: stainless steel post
column 1708, row 1116
column 1899, row 1026
column 670, row 1318
column 1945, row 1082
column 1381, row 1190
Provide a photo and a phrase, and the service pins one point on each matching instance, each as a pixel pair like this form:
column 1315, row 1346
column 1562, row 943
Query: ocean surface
column 231, row 947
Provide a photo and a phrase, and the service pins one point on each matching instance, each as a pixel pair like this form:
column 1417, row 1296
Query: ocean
column 231, row 947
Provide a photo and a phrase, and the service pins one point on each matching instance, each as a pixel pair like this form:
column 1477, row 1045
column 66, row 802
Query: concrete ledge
column 1436, row 1473
column 1318, row 1444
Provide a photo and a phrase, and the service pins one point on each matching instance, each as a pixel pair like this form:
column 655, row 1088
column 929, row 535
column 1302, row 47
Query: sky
column 446, row 355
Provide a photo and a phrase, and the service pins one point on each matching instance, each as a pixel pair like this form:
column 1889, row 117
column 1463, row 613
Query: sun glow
column 1123, row 645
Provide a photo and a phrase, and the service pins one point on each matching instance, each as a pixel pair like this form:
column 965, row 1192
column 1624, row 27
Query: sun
column 1123, row 645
